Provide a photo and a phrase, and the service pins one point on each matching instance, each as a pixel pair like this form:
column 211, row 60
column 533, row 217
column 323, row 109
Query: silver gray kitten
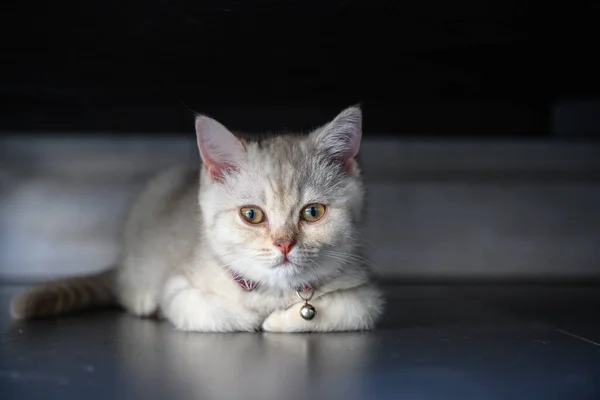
column 265, row 236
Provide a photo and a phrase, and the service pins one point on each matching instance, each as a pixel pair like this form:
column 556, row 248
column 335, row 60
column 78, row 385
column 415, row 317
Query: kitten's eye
column 313, row 212
column 253, row 215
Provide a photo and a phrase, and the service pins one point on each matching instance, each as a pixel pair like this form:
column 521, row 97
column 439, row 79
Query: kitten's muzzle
column 285, row 246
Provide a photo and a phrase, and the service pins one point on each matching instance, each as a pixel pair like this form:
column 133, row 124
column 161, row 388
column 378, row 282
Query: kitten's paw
column 190, row 309
column 274, row 322
column 140, row 303
column 353, row 309
column 288, row 320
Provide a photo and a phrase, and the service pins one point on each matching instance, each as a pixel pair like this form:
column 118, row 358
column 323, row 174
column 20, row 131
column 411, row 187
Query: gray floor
column 437, row 342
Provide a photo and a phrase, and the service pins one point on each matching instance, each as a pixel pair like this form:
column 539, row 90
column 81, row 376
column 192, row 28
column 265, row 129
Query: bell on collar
column 307, row 311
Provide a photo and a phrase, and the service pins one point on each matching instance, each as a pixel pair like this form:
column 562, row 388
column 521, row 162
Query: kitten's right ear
column 220, row 150
column 340, row 138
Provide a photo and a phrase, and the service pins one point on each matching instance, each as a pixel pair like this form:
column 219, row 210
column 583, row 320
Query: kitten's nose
column 285, row 245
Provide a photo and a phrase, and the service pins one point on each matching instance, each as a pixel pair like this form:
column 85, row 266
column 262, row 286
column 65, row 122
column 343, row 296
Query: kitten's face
column 286, row 215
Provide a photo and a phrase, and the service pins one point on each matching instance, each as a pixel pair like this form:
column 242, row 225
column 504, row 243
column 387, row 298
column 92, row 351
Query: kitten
column 263, row 229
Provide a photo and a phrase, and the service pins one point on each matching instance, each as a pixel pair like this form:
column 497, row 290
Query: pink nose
column 285, row 245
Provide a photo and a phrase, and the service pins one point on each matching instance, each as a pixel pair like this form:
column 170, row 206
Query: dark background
column 463, row 68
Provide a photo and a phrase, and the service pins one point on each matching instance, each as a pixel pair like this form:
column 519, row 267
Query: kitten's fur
column 185, row 236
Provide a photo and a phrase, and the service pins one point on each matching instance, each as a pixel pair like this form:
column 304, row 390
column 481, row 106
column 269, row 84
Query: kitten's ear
column 220, row 150
column 341, row 137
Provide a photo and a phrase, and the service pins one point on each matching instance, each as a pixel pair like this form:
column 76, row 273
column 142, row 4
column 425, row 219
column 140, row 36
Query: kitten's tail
column 65, row 296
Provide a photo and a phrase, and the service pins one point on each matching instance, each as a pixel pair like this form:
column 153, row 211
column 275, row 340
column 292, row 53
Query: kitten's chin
column 286, row 264
column 289, row 282
column 283, row 274
column 287, row 275
column 287, row 269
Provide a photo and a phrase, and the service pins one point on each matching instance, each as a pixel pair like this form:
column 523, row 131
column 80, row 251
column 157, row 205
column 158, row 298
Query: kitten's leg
column 138, row 302
column 190, row 309
column 344, row 310
column 134, row 294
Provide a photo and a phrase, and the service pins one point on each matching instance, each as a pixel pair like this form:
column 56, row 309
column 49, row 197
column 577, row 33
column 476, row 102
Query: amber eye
column 253, row 215
column 313, row 212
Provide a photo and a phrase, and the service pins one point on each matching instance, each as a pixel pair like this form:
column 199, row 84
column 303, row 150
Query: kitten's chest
column 261, row 300
column 266, row 301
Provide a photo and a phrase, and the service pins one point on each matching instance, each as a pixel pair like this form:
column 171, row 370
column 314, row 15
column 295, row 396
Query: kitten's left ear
column 341, row 137
column 220, row 150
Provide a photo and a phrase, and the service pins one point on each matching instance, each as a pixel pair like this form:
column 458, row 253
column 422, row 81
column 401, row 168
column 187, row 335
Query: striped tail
column 65, row 296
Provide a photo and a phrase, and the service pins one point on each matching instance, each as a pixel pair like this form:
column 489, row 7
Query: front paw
column 280, row 321
column 289, row 320
column 353, row 309
column 191, row 309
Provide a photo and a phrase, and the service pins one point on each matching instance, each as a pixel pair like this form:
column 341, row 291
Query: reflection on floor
column 437, row 342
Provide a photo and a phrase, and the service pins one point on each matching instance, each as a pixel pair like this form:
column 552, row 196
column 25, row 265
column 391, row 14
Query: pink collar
column 249, row 285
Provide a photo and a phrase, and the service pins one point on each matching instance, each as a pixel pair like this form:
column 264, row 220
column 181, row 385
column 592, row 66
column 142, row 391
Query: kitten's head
column 283, row 211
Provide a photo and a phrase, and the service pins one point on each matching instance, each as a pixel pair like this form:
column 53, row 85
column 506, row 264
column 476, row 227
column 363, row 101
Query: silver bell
column 308, row 312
